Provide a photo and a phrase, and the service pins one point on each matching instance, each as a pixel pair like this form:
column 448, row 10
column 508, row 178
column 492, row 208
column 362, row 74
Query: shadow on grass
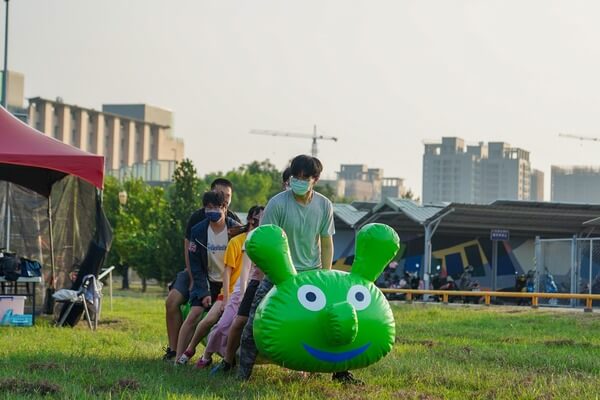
column 58, row 375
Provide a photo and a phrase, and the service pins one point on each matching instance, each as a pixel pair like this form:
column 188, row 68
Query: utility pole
column 5, row 71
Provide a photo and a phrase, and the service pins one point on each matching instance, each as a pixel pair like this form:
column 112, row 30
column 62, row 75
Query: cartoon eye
column 311, row 297
column 359, row 296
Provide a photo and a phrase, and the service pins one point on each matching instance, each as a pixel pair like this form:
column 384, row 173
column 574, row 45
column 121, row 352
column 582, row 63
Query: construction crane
column 314, row 137
column 568, row 135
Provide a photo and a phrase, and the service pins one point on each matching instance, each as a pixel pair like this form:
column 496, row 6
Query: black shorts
column 182, row 284
column 246, row 303
column 215, row 289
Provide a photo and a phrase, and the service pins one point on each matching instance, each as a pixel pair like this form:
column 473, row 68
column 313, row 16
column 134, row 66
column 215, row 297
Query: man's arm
column 326, row 251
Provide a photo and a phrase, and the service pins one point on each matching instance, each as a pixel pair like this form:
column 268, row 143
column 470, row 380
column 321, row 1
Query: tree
column 329, row 192
column 409, row 195
column 253, row 184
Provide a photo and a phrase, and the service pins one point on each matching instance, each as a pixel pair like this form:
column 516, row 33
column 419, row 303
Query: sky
column 381, row 76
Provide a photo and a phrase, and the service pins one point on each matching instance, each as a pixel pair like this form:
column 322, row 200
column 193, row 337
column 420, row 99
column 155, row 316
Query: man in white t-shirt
column 208, row 241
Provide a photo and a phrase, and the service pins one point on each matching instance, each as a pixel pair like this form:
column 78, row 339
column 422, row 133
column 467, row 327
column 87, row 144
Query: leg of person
column 201, row 331
column 178, row 295
column 235, row 331
column 187, row 328
column 234, row 337
column 248, row 350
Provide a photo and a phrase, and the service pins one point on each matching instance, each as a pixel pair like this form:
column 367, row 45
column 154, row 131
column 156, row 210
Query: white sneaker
column 184, row 358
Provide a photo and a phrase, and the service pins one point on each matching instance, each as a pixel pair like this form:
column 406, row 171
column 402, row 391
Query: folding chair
column 89, row 295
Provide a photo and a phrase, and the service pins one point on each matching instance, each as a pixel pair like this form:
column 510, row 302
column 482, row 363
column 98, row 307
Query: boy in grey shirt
column 307, row 219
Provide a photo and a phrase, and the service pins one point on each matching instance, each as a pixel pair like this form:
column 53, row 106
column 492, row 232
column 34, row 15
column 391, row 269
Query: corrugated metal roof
column 411, row 209
column 347, row 213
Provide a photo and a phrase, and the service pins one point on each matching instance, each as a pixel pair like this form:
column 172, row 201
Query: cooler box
column 14, row 303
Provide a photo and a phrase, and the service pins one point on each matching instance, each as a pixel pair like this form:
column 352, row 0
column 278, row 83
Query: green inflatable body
column 324, row 321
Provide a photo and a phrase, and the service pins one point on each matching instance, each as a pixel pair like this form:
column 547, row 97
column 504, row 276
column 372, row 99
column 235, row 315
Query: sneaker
column 185, row 357
column 223, row 366
column 346, row 378
column 202, row 363
column 169, row 354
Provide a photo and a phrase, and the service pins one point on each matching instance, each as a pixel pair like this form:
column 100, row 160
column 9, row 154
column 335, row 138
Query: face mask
column 299, row 187
column 213, row 216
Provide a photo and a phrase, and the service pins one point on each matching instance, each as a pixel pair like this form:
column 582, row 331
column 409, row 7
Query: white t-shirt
column 217, row 243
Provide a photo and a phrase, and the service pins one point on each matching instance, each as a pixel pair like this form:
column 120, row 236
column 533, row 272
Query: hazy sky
column 381, row 75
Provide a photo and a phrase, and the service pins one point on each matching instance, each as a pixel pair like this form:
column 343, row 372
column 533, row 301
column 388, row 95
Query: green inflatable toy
column 324, row 321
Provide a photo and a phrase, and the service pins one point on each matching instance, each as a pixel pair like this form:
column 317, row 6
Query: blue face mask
column 299, row 186
column 213, row 216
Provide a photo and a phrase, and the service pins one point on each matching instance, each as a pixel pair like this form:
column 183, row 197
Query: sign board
column 499, row 234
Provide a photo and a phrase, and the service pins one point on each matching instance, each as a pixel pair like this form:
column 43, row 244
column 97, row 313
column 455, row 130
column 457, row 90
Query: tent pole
column 7, row 217
column 53, row 283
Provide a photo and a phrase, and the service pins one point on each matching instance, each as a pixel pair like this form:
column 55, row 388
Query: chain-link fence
column 567, row 266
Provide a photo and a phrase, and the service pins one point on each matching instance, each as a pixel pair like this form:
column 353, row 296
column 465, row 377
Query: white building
column 576, row 184
column 453, row 172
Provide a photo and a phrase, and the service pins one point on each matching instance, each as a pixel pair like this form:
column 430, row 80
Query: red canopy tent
column 42, row 178
column 44, row 159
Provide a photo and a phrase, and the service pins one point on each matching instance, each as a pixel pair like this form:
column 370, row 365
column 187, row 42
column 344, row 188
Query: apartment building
column 575, row 184
column 135, row 139
column 361, row 183
column 455, row 172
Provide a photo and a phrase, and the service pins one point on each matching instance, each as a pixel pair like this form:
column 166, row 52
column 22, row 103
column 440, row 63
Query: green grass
column 441, row 352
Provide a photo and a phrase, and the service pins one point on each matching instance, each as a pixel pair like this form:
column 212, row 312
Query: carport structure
column 522, row 218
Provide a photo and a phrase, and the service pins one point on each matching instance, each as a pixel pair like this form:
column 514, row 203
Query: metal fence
column 567, row 266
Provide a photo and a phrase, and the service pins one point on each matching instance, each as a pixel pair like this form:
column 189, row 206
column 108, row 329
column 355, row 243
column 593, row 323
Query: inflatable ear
column 376, row 246
column 267, row 247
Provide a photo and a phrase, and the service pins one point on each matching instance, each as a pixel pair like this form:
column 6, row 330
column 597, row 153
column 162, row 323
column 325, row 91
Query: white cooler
column 14, row 303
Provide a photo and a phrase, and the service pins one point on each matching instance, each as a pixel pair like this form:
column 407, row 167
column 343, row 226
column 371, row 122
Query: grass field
column 454, row 352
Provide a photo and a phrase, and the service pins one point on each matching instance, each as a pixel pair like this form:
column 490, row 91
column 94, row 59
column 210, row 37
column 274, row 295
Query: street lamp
column 5, row 71
column 122, row 197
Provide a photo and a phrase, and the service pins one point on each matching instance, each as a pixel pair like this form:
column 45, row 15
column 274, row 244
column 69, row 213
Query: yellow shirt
column 233, row 258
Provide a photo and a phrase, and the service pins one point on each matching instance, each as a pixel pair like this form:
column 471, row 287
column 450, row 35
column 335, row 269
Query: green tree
column 328, row 191
column 253, row 183
column 409, row 195
column 137, row 242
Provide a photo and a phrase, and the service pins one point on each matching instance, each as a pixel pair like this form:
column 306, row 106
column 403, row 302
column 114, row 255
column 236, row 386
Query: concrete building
column 453, row 172
column 536, row 189
column 579, row 184
column 15, row 93
column 505, row 173
column 450, row 173
column 135, row 139
column 360, row 183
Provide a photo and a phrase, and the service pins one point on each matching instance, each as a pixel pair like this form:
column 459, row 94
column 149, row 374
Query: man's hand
column 206, row 302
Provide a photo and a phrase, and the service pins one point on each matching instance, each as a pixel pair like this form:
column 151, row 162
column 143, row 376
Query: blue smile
column 334, row 357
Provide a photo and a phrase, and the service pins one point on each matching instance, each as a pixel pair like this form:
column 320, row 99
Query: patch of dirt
column 560, row 342
column 43, row 366
column 126, row 384
column 109, row 321
column 413, row 394
column 18, row 386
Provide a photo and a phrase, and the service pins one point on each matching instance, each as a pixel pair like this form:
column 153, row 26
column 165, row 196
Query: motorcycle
column 466, row 283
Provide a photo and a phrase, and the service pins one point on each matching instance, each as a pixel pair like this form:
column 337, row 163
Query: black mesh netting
column 79, row 229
